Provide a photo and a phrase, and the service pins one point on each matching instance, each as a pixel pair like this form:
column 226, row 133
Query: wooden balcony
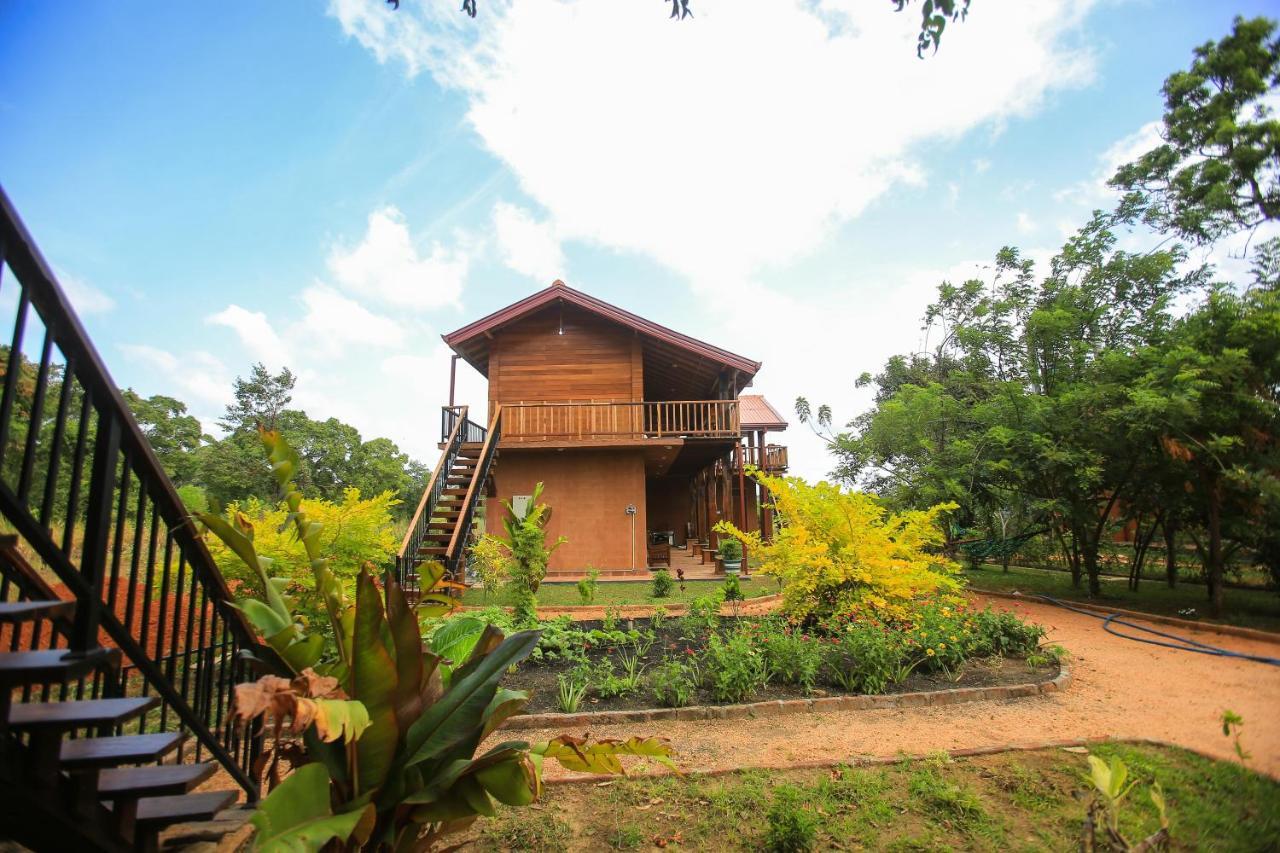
column 596, row 421
column 774, row 458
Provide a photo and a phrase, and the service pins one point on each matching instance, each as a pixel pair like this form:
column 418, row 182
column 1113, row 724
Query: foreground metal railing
column 97, row 520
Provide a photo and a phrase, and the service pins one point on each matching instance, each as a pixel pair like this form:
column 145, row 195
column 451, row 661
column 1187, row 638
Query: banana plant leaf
column 452, row 719
column 296, row 816
column 374, row 681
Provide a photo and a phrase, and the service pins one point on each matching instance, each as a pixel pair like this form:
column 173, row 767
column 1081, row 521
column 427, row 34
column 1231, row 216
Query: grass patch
column 612, row 593
column 1015, row 801
column 1245, row 607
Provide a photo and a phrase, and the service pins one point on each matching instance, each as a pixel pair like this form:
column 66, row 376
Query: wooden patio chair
column 660, row 554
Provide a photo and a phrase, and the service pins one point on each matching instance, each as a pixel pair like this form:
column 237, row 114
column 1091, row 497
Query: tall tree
column 259, row 399
column 174, row 435
column 1218, row 171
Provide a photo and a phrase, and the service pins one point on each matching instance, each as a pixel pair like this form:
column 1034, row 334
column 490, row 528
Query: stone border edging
column 785, row 707
column 1210, row 627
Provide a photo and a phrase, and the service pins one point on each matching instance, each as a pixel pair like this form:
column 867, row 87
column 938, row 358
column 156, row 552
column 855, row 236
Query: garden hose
column 1185, row 644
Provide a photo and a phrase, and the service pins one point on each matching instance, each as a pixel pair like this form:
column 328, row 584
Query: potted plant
column 731, row 554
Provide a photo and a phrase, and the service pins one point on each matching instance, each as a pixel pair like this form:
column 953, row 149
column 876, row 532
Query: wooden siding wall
column 531, row 361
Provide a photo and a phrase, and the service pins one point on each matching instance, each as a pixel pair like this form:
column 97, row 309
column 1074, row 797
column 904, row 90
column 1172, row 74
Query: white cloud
column 386, row 267
column 198, row 377
column 527, row 245
column 256, row 334
column 333, row 321
column 1025, row 224
column 1094, row 192
column 85, row 298
column 981, row 165
column 684, row 143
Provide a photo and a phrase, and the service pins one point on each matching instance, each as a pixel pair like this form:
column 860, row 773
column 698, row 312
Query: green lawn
column 1012, row 801
column 624, row 592
column 1249, row 608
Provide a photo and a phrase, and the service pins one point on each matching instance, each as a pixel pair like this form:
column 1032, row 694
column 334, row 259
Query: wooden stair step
column 86, row 753
column 78, row 714
column 156, row 780
column 157, row 812
column 25, row 611
column 433, row 549
column 52, row 666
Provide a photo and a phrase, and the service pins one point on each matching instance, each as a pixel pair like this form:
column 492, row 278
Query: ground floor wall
column 588, row 492
column 668, row 504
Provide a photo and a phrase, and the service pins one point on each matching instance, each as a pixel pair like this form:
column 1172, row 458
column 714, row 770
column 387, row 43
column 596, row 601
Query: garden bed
column 597, row 655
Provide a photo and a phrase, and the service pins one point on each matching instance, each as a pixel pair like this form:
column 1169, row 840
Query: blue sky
column 333, row 186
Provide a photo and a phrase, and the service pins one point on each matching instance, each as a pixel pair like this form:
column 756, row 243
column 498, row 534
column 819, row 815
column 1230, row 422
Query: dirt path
column 1121, row 689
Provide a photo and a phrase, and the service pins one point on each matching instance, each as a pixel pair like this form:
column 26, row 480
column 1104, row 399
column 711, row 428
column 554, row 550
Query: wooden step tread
column 154, row 812
column 111, row 751
column 24, row 611
column 77, row 714
column 156, row 780
column 52, row 665
column 433, row 549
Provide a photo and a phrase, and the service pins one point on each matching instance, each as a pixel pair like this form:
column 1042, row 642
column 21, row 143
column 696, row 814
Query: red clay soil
column 165, row 617
column 1120, row 689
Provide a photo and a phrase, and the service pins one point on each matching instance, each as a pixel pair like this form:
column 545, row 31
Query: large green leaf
column 456, row 715
column 505, row 704
column 513, row 782
column 373, row 682
column 455, row 640
column 406, row 640
column 304, row 653
column 296, row 816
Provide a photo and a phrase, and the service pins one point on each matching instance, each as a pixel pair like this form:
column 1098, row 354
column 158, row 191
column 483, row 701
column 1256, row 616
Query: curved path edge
column 785, row 707
column 1157, row 618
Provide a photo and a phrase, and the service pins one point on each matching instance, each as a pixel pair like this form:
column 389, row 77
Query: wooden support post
column 453, row 376
column 742, row 501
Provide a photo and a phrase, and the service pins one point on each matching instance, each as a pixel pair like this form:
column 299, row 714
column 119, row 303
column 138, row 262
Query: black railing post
column 97, row 531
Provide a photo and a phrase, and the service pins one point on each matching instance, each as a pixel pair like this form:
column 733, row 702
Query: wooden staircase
column 441, row 529
column 69, row 762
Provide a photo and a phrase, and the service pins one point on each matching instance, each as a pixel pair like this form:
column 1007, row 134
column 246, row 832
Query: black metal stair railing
column 98, row 518
column 455, row 556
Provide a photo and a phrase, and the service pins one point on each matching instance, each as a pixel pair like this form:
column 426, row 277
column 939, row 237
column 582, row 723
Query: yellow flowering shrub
column 356, row 531
column 837, row 551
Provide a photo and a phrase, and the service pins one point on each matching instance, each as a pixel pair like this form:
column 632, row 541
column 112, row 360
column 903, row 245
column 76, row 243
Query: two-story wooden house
column 638, row 433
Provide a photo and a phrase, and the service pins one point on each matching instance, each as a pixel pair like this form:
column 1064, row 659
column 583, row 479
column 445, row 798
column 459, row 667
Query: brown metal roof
column 757, row 413
column 472, row 340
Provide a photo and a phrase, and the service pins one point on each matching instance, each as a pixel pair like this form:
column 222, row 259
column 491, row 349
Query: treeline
column 233, row 468
column 1118, row 390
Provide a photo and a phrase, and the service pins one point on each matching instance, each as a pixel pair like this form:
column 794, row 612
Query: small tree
column 528, row 555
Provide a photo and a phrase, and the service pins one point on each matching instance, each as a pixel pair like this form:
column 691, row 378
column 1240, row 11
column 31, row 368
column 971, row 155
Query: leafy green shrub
column 704, row 613
column 674, row 683
column 587, row 586
column 730, row 550
column 732, row 589
column 998, row 632
column 863, row 658
column 662, row 584
column 658, row 619
column 792, row 827
column 735, row 669
column 793, row 657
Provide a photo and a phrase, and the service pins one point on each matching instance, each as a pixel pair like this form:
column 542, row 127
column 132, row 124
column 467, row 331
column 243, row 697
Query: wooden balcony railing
column 571, row 421
column 775, row 457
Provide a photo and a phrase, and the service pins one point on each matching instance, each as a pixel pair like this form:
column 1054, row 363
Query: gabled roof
column 472, row 341
column 758, row 413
